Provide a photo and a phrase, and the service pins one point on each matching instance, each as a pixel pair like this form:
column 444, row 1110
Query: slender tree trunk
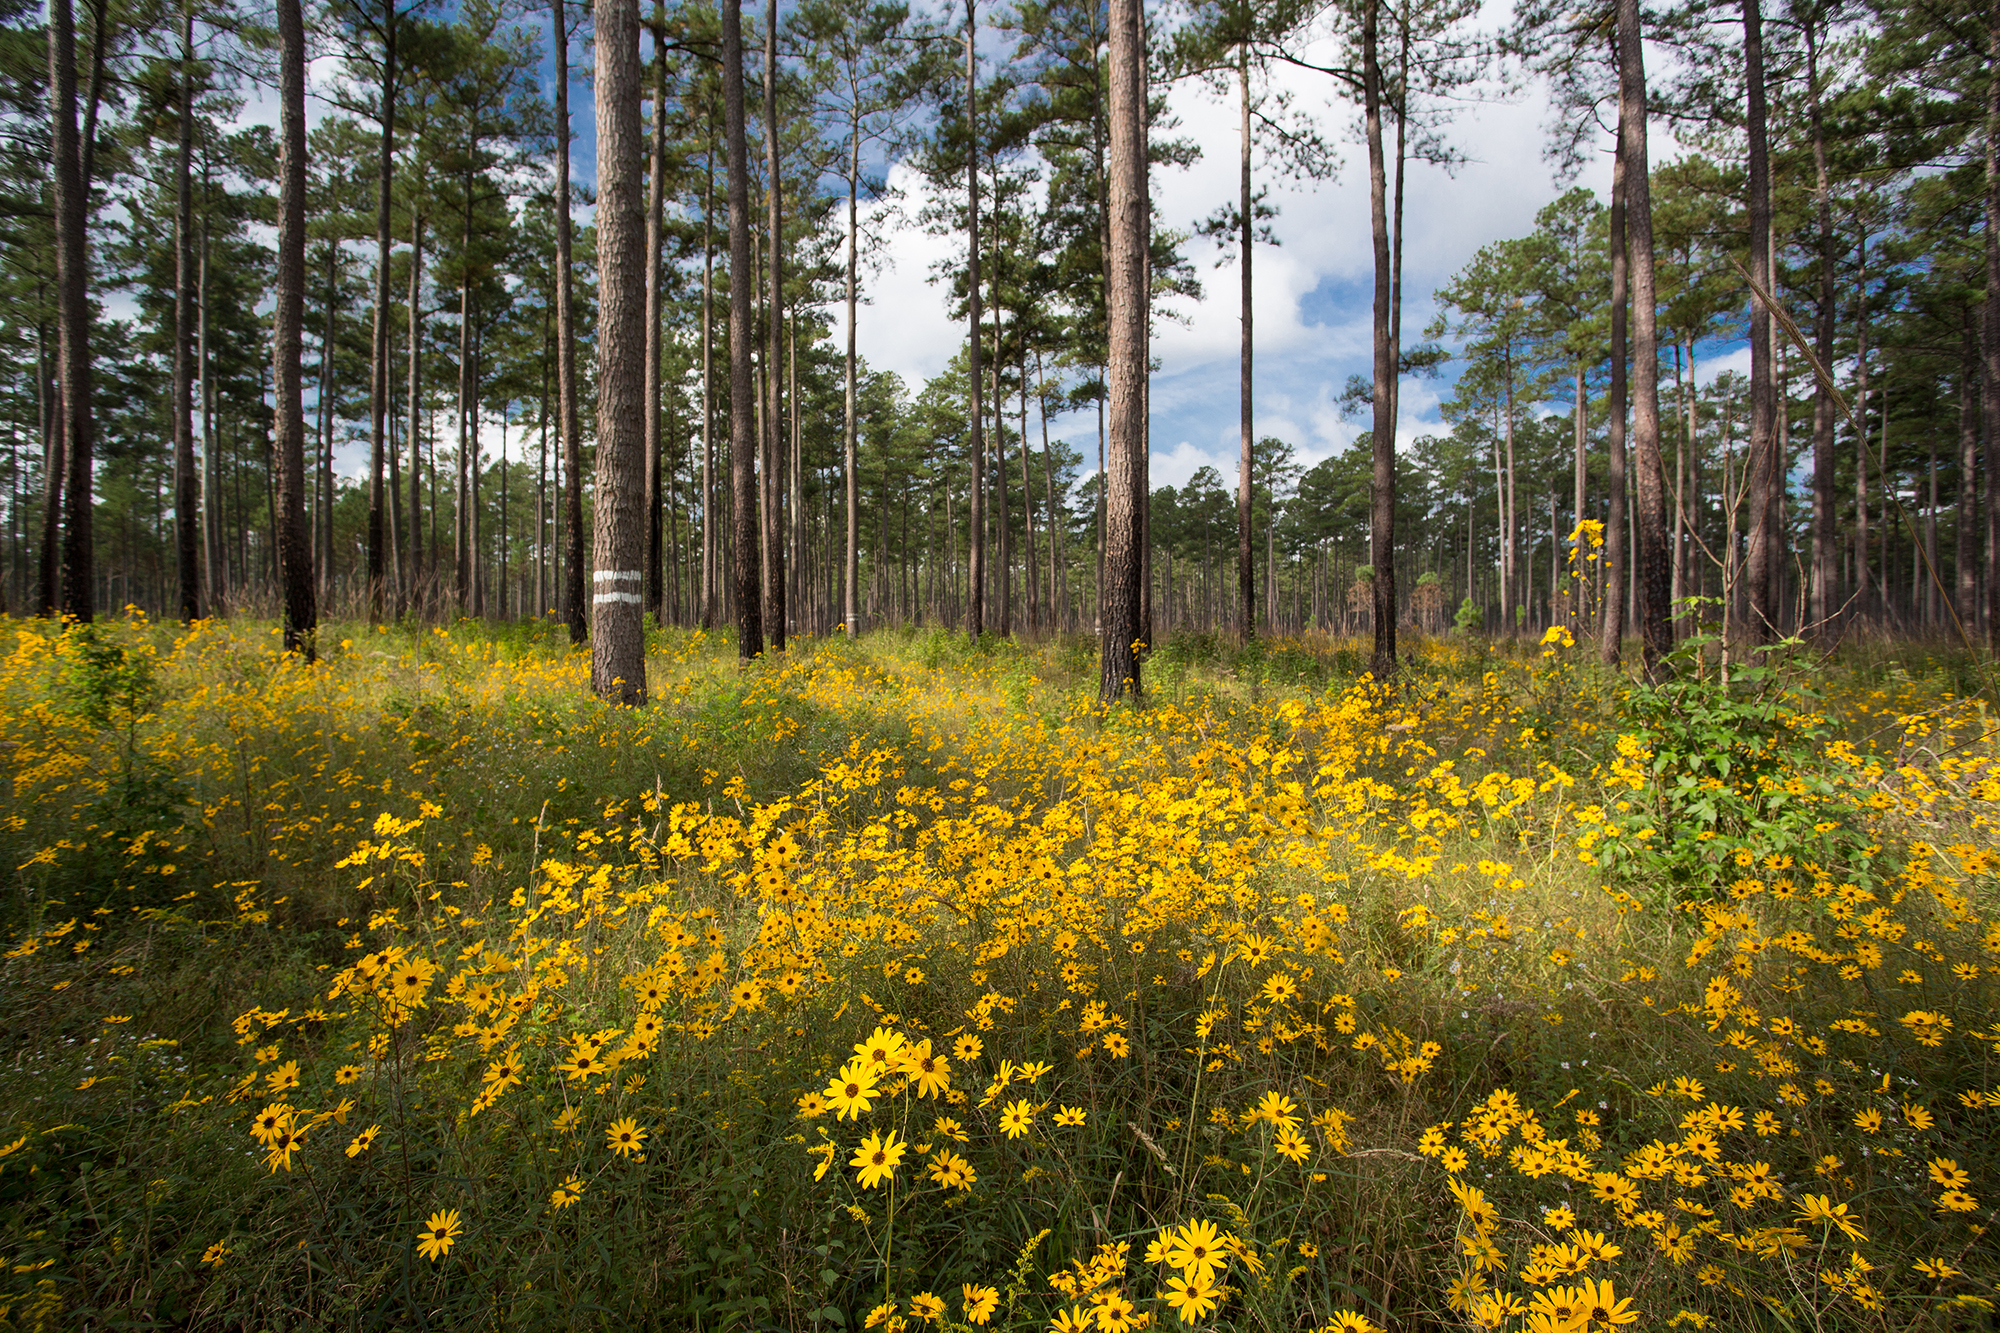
column 1863, row 579
column 187, row 483
column 1028, row 570
column 975, row 622
column 1382, row 505
column 711, row 531
column 415, row 392
column 656, row 191
column 617, row 621
column 742, row 399
column 1825, row 538
column 1763, row 465
column 1990, row 329
column 1246, row 572
column 1127, row 302
column 468, row 425
column 214, row 552
column 1967, row 553
column 575, row 608
column 776, row 612
column 288, row 417
column 378, row 358
column 323, row 521
column 78, row 589
column 1650, row 489
column 851, row 550
column 1611, row 625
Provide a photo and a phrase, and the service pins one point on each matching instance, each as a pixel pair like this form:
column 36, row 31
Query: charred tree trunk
column 975, row 620
column 1764, row 466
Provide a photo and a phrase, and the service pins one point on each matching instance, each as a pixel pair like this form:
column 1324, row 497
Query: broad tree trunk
column 1611, row 625
column 72, row 319
column 742, row 399
column 288, row 419
column 1763, row 465
column 1246, row 572
column 575, row 608
column 1126, row 301
column 1382, row 503
column 975, row 620
column 187, row 483
column 1649, row 490
column 617, row 621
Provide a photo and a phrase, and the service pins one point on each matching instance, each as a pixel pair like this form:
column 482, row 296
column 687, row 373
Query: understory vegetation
column 895, row 983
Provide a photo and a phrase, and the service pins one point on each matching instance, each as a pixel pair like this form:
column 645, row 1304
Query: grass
column 420, row 989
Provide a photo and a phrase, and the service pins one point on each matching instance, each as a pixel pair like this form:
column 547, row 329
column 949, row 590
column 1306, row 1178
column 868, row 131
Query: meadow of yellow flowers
column 893, row 984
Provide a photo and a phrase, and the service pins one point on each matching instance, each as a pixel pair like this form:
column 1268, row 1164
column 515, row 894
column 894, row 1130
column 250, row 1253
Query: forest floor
column 894, row 983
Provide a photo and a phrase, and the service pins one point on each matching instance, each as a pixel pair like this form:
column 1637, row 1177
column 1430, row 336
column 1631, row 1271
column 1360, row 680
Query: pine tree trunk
column 711, row 531
column 775, row 609
column 742, row 393
column 419, row 589
column 187, row 483
column 1382, row 504
column 617, row 621
column 1763, row 464
column 1990, row 329
column 294, row 551
column 1127, row 302
column 851, row 548
column 656, row 189
column 378, row 356
column 975, row 621
column 1611, row 625
column 72, row 320
column 575, row 608
column 1825, row 538
column 1246, row 573
column 1650, row 488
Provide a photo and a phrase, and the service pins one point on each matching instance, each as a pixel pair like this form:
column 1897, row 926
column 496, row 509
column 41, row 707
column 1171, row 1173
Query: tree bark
column 378, row 356
column 1649, row 490
column 187, row 483
column 975, row 620
column 1126, row 301
column 851, row 549
column 1990, row 330
column 711, row 534
column 742, row 399
column 417, row 590
column 72, row 319
column 575, row 609
column 1763, row 465
column 1382, row 502
column 294, row 551
column 775, row 609
column 1611, row 626
column 617, row 620
column 656, row 189
column 1246, row 563
column 1825, row 537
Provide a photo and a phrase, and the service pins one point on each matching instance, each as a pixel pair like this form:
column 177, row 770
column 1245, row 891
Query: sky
column 1312, row 290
